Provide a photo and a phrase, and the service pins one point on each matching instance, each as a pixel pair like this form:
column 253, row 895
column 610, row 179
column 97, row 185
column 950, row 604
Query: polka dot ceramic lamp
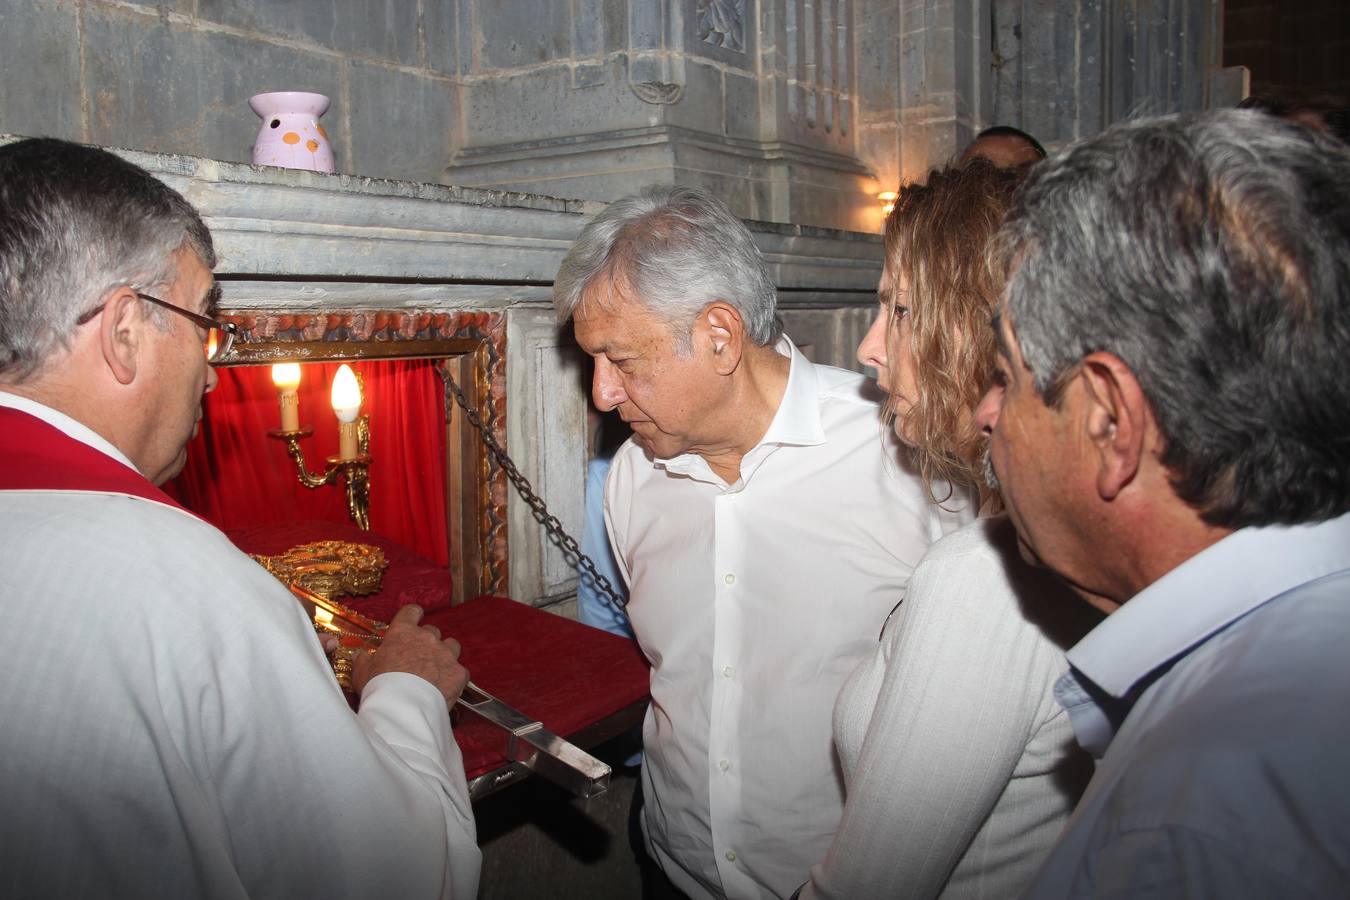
column 291, row 135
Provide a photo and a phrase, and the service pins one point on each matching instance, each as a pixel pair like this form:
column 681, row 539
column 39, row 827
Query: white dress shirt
column 754, row 601
column 172, row 729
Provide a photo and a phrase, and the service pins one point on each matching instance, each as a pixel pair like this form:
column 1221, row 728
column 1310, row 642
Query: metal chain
column 565, row 542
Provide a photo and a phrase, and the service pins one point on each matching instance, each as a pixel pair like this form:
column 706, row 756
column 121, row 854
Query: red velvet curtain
column 237, row 476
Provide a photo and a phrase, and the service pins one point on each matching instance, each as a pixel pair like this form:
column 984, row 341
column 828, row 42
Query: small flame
column 346, row 396
column 212, row 340
column 286, row 376
column 887, row 200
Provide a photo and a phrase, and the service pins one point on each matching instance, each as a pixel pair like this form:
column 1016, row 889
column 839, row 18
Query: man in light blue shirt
column 594, row 608
column 1170, row 427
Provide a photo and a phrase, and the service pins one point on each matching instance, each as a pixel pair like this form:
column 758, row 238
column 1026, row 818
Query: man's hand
column 417, row 650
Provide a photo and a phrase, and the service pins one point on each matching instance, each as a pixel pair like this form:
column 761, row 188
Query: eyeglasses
column 219, row 335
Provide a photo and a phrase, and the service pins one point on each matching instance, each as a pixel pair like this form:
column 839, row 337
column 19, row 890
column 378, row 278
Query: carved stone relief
column 660, row 93
column 819, row 63
column 722, row 23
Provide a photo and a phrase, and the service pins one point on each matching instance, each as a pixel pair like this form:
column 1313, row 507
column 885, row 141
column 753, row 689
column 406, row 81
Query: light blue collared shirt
column 1217, row 701
column 593, row 607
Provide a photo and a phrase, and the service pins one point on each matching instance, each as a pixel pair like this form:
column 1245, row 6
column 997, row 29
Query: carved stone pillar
column 924, row 83
column 933, row 74
column 1067, row 70
column 596, row 98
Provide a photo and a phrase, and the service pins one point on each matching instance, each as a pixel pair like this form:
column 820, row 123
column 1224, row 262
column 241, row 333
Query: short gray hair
column 75, row 223
column 1211, row 254
column 674, row 250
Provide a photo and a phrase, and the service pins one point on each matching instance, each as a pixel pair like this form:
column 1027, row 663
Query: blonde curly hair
column 935, row 238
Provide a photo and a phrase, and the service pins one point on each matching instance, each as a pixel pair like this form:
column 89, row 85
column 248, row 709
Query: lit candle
column 286, row 376
column 347, row 404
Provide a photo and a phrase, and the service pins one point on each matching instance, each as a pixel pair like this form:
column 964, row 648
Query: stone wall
column 924, row 76
column 596, row 98
column 933, row 73
column 588, row 99
column 793, row 110
column 175, row 76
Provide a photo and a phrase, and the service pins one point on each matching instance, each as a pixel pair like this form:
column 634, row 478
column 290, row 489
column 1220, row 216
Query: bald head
column 1004, row 146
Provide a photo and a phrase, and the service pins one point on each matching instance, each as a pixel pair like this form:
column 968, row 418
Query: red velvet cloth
column 237, row 476
column 409, row 579
column 565, row 674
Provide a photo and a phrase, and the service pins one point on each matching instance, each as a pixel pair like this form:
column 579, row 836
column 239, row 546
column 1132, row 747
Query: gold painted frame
column 471, row 349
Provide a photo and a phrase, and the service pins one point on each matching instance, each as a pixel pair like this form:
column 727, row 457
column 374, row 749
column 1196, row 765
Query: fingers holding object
column 417, row 649
column 411, row 616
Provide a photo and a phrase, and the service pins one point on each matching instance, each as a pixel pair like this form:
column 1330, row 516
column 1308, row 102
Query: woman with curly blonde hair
column 937, row 296
column 959, row 765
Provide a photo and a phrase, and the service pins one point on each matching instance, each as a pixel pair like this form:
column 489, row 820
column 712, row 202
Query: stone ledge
column 305, row 233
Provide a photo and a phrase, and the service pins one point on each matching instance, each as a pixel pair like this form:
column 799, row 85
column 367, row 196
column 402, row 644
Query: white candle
column 346, row 399
column 286, row 376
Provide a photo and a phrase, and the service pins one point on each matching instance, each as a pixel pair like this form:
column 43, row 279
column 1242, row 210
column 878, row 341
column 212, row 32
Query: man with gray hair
column 1171, row 433
column 763, row 524
column 171, row 727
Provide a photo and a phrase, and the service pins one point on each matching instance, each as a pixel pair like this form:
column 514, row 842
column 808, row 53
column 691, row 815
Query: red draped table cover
column 567, row 675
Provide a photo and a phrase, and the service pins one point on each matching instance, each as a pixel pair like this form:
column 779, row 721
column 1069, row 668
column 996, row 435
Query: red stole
column 37, row 456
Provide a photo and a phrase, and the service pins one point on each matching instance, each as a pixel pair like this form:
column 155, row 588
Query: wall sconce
column 352, row 464
column 887, row 201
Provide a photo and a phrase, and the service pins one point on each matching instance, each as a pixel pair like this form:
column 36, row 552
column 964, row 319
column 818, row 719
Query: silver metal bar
column 528, row 742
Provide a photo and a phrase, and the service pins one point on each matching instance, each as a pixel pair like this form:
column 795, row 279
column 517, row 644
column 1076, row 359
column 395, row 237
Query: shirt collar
column 1093, row 715
column 796, row 422
column 1204, row 595
column 70, row 427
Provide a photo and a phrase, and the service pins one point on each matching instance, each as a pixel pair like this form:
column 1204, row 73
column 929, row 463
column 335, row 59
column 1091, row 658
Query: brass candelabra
column 354, row 472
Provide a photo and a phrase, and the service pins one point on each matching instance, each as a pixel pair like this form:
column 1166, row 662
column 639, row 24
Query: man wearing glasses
column 170, row 725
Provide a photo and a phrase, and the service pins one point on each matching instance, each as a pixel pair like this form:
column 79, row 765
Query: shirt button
column 731, row 856
column 730, row 579
column 728, row 671
column 724, row 764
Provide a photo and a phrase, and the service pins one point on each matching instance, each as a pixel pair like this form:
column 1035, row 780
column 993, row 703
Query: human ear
column 120, row 333
column 725, row 333
column 1116, row 416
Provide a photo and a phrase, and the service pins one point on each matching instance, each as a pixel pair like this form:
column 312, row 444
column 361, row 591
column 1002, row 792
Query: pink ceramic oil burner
column 291, row 135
